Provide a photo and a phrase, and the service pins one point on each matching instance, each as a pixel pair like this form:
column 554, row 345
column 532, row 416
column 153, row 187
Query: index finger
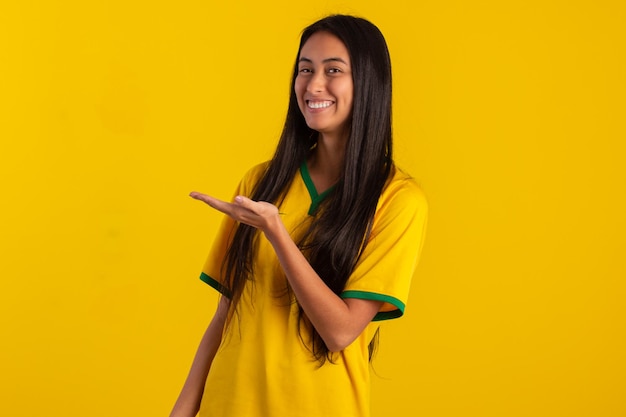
column 216, row 203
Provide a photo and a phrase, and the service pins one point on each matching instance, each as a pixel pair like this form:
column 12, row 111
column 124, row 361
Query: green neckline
column 316, row 198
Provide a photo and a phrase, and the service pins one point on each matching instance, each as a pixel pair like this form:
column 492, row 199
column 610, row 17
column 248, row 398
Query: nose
column 316, row 83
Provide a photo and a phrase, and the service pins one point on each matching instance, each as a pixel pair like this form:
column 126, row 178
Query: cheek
column 299, row 86
column 348, row 95
column 345, row 90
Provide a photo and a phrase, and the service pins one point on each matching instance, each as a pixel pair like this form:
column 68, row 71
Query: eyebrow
column 332, row 59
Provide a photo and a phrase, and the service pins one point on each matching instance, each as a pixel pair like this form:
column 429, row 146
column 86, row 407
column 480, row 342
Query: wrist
column 274, row 229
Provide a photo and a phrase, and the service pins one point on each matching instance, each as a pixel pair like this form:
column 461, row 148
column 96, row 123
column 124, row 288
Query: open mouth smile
column 318, row 104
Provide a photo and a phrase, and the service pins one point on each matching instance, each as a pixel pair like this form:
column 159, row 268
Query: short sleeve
column 212, row 270
column 387, row 265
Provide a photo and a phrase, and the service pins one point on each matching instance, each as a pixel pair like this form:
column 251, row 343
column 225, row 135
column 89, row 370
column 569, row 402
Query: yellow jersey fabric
column 262, row 367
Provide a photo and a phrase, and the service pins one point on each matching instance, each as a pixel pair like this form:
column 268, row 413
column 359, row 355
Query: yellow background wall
column 511, row 115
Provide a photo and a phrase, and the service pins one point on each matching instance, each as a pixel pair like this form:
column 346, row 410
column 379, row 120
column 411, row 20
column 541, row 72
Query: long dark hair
column 341, row 224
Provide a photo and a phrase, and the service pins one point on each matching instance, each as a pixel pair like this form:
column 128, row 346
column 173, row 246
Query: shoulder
column 402, row 209
column 256, row 172
column 249, row 180
column 403, row 193
column 253, row 176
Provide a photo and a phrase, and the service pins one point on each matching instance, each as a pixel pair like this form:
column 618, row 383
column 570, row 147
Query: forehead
column 323, row 45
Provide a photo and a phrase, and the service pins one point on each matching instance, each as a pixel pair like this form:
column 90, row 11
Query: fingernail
column 239, row 199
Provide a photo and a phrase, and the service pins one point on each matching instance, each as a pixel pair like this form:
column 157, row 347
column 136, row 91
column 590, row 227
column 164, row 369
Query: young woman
column 318, row 246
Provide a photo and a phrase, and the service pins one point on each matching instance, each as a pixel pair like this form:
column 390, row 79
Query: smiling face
column 323, row 86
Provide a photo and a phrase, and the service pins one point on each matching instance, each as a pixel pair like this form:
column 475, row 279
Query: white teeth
column 319, row 104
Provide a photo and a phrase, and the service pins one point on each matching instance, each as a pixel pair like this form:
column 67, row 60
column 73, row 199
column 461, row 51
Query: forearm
column 190, row 396
column 338, row 321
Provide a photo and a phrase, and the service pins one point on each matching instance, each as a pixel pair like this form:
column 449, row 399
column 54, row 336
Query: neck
column 326, row 161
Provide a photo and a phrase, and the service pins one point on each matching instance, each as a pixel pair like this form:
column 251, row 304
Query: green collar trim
column 316, row 198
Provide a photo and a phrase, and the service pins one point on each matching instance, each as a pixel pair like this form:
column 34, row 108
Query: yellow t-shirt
column 262, row 367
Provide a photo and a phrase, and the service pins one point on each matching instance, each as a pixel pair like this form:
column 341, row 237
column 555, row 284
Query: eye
column 304, row 70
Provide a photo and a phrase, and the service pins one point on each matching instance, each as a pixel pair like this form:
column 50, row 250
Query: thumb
column 242, row 201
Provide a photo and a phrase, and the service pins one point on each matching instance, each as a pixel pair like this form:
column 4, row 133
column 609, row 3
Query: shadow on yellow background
column 511, row 115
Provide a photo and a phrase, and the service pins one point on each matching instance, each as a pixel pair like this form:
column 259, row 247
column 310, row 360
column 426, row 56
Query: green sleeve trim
column 216, row 285
column 381, row 315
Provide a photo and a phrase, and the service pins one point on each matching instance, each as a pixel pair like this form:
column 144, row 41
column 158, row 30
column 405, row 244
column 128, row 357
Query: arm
column 338, row 321
column 188, row 401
